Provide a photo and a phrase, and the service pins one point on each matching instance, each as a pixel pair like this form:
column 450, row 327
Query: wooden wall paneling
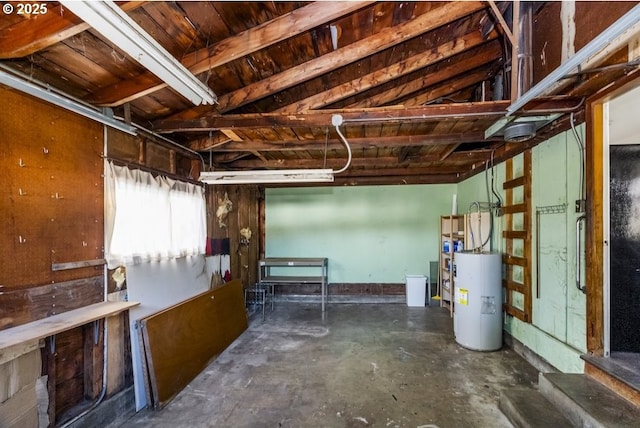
column 49, row 369
column 594, row 17
column 158, row 157
column 118, row 353
column 246, row 258
column 125, row 147
column 179, row 342
column 69, row 373
column 21, row 411
column 52, row 193
column 21, row 306
column 93, row 358
column 591, row 18
column 17, row 394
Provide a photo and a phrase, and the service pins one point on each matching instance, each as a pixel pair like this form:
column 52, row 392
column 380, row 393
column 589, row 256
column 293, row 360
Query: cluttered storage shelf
column 452, row 237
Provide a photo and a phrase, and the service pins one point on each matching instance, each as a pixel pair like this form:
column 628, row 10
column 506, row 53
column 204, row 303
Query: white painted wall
column 159, row 285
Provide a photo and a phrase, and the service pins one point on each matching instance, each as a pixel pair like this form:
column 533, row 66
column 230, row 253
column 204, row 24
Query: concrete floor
column 378, row 365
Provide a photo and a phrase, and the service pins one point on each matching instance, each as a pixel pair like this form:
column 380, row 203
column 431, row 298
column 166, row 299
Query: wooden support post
column 49, row 368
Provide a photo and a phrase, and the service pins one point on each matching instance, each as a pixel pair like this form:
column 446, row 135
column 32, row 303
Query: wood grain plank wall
column 52, row 194
column 51, row 211
column 591, row 18
column 246, row 201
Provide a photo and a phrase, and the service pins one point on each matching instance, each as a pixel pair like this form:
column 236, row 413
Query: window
column 151, row 218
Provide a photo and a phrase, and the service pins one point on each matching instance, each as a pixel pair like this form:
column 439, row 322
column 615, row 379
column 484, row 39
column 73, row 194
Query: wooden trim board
column 180, row 341
column 36, row 330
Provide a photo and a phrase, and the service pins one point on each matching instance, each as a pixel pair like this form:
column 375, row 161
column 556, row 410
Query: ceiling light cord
column 336, row 120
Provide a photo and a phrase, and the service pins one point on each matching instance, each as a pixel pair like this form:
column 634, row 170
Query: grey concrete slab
column 529, row 409
column 379, row 365
column 586, row 402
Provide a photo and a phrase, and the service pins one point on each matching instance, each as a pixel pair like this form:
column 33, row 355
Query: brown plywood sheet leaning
column 180, row 341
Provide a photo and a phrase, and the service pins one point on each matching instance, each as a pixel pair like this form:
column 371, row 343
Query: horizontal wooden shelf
column 55, row 324
column 299, row 262
column 293, row 279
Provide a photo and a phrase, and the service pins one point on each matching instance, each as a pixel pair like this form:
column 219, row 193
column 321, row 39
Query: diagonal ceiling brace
column 501, row 20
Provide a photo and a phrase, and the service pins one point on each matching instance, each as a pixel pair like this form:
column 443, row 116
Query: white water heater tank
column 477, row 316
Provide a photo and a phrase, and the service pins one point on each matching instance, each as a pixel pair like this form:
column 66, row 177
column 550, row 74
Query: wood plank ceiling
column 414, row 81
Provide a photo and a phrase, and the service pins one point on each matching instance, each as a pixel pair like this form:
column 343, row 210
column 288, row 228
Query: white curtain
column 151, row 218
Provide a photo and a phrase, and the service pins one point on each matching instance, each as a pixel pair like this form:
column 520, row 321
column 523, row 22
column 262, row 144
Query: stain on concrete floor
column 361, row 365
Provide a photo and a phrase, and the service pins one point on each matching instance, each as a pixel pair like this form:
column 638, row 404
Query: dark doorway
column 624, row 274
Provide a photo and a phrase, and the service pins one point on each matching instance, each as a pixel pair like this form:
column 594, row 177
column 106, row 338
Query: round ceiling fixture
column 518, row 132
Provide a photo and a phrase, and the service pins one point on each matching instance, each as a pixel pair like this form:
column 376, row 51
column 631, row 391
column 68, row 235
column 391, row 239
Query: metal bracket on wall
column 76, row 265
column 552, row 209
column 96, row 332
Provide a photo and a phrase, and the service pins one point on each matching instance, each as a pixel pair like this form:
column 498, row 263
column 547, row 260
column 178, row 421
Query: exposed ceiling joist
column 323, row 117
column 40, row 31
column 392, row 72
column 232, row 48
column 355, row 143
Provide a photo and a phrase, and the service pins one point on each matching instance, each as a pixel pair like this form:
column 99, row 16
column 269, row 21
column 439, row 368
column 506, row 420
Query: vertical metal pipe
column 537, row 254
column 515, row 18
column 525, row 48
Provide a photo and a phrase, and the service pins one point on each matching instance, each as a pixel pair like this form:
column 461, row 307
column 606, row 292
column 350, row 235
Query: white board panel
column 159, row 285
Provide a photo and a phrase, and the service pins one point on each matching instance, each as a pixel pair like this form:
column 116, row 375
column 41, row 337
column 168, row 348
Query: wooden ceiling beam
column 451, row 87
column 397, row 180
column 42, row 31
column 334, row 143
column 351, row 53
column 483, row 55
column 322, row 118
column 231, row 48
column 408, row 171
column 394, row 71
column 372, row 162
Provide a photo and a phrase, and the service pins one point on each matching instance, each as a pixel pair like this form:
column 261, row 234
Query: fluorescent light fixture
column 114, row 24
column 281, row 175
column 268, row 176
column 62, row 101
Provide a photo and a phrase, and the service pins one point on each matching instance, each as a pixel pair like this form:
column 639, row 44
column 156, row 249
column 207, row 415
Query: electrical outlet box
column 581, row 205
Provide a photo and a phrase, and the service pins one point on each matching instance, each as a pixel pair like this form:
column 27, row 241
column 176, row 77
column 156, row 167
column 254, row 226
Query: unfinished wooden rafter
column 229, row 49
column 355, row 142
column 323, row 117
column 44, row 30
column 394, row 71
column 483, row 54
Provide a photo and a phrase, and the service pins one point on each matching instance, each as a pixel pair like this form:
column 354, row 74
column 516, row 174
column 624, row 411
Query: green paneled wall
column 558, row 330
column 371, row 234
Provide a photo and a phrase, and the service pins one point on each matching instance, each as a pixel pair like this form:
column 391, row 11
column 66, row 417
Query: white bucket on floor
column 416, row 290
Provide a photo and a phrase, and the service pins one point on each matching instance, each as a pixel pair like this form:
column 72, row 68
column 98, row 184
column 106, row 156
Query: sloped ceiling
column 417, row 83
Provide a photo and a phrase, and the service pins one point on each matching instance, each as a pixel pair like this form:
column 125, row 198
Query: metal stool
column 258, row 295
